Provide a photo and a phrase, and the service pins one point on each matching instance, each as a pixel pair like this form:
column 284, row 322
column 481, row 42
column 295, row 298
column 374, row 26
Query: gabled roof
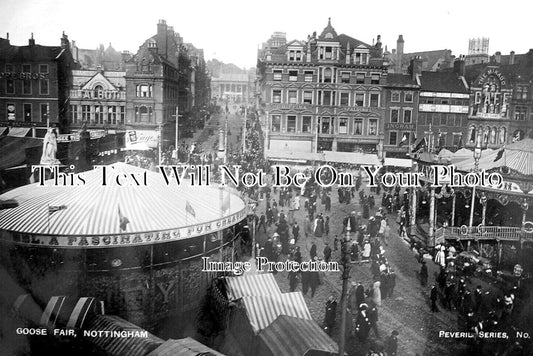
column 401, row 80
column 99, row 79
column 296, row 43
column 447, row 82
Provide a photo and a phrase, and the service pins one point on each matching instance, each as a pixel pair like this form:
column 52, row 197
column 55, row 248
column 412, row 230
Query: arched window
column 144, row 91
column 503, row 135
column 143, row 111
column 98, row 92
column 493, row 134
column 472, row 134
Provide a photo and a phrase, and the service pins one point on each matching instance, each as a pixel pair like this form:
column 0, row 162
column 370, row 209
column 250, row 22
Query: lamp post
column 477, row 156
column 345, row 278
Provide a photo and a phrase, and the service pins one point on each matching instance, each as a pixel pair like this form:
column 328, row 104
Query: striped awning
column 250, row 285
column 95, row 209
column 295, row 337
column 18, row 131
column 263, row 310
column 183, row 347
column 517, row 156
column 121, row 346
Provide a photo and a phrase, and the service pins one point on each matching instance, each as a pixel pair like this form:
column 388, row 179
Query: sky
column 232, row 30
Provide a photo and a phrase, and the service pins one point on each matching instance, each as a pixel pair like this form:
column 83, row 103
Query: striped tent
column 263, row 310
column 93, row 208
column 250, row 285
column 517, row 156
column 183, row 347
column 120, row 346
column 289, row 336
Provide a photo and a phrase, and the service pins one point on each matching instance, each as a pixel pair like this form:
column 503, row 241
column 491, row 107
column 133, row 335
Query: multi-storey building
column 401, row 102
column 501, row 103
column 323, row 94
column 34, row 85
column 443, row 106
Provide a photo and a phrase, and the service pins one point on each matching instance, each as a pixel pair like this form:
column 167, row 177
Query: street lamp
column 345, row 260
column 477, row 156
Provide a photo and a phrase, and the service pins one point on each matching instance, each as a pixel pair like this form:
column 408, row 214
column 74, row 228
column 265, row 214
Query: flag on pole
column 500, row 153
column 421, row 145
column 53, row 208
column 403, row 141
column 123, row 221
column 189, row 209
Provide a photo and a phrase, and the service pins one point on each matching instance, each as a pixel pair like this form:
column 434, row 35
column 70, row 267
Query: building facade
column 401, row 116
column 323, row 94
column 35, row 82
column 501, row 102
column 443, row 107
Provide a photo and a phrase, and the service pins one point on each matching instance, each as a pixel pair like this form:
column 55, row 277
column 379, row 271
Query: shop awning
column 131, row 346
column 18, row 131
column 13, row 150
column 292, row 156
column 183, row 347
column 263, row 310
column 351, row 158
column 398, row 162
column 2, row 130
column 296, row 337
column 251, row 284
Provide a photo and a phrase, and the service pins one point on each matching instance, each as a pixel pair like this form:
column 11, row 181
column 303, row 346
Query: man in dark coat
column 331, row 313
column 424, row 274
column 373, row 318
column 312, row 251
column 434, row 295
column 362, row 323
column 327, row 253
column 391, row 345
column 293, row 280
column 314, row 281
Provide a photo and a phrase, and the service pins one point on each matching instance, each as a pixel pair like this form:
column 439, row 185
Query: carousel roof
column 95, row 209
column 517, row 156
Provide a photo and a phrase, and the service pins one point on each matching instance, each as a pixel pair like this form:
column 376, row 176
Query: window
column 292, row 97
column 345, row 99
column 395, row 97
column 43, row 83
column 112, row 115
column 324, row 125
column 343, row 125
column 293, row 75
column 327, row 75
column 122, row 114
column 10, row 86
column 407, row 114
column 10, row 111
column 276, row 123
column 144, row 91
column 457, row 139
column 44, row 112
column 345, row 77
column 308, row 97
column 374, row 100
column 443, row 118
column 408, row 98
column 444, row 102
column 361, row 58
column 360, row 78
column 99, row 114
column 27, row 112
column 358, row 126
column 306, row 123
column 442, row 139
column 26, row 83
column 520, row 113
column 374, row 78
column 521, row 93
column 329, row 52
column 394, row 115
column 276, row 96
column 73, row 114
column 429, row 119
column 326, row 97
column 277, row 74
column 359, row 99
column 372, row 127
column 393, row 138
column 291, row 123
column 85, row 113
column 308, row 76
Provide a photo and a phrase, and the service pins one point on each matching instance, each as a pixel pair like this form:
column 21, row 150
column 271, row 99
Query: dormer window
column 361, row 57
column 329, row 35
column 295, row 55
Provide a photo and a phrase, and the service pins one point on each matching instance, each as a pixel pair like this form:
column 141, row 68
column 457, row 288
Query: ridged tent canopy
column 93, row 209
column 517, row 156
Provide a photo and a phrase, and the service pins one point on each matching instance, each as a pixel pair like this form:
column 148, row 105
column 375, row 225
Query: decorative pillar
column 472, row 205
column 453, row 210
column 431, row 237
column 483, row 202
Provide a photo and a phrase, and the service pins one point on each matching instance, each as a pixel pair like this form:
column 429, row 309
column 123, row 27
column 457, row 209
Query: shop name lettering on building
column 121, row 240
column 23, row 75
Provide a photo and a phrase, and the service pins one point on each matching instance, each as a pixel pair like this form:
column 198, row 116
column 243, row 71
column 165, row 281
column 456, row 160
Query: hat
column 363, row 306
column 275, row 234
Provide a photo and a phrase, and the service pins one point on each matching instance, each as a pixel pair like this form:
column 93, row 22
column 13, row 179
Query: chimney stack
column 498, row 57
column 399, row 45
column 65, row 44
column 161, row 38
column 459, row 66
column 31, row 41
column 415, row 67
column 511, row 58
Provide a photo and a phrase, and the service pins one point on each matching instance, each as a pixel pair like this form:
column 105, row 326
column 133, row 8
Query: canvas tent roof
column 251, row 284
column 183, row 347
